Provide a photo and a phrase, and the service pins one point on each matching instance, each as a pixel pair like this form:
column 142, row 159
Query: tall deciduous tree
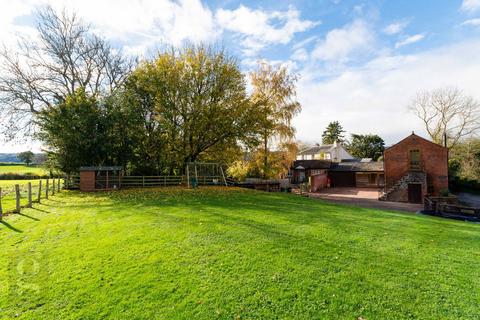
column 83, row 131
column 26, row 157
column 333, row 133
column 366, row 146
column 65, row 57
column 192, row 101
column 274, row 97
column 447, row 113
column 465, row 159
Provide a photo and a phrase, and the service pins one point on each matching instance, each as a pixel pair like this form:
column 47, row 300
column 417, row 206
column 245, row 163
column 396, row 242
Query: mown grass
column 22, row 169
column 12, row 183
column 233, row 254
column 8, row 192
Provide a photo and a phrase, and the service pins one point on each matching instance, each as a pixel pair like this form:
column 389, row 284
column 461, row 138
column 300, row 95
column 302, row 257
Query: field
column 22, row 169
column 232, row 254
column 8, row 192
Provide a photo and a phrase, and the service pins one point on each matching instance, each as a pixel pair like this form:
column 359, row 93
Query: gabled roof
column 353, row 165
column 317, row 149
column 358, row 166
column 413, row 135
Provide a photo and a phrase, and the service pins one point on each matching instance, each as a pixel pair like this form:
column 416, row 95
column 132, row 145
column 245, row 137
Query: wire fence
column 15, row 197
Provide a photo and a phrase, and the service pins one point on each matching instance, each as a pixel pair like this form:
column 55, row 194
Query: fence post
column 143, row 181
column 165, row 181
column 59, row 181
column 196, row 175
column 39, row 191
column 53, row 186
column 46, row 189
column 223, row 175
column 29, row 195
column 1, row 210
column 17, row 198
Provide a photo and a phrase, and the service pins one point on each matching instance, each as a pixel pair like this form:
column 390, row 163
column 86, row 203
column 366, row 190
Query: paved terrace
column 362, row 197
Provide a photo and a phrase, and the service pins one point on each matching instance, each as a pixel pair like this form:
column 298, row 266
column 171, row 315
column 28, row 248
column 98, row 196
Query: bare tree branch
column 65, row 56
column 447, row 111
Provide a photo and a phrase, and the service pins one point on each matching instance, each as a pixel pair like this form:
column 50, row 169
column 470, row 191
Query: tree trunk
column 265, row 156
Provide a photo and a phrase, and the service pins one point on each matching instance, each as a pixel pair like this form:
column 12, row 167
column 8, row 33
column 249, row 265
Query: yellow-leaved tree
column 274, row 98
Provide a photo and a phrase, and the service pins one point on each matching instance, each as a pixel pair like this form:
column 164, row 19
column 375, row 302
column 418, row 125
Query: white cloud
column 150, row 20
column 410, row 40
column 8, row 29
column 373, row 98
column 259, row 28
column 470, row 5
column 471, row 22
column 304, row 42
column 395, row 27
column 300, row 55
column 142, row 24
column 339, row 44
column 138, row 24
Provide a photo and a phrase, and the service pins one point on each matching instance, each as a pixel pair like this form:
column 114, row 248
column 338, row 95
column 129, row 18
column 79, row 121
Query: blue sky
column 359, row 62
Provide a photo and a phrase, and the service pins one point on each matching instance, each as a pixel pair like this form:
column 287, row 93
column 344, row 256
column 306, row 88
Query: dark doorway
column 414, row 193
column 342, row 179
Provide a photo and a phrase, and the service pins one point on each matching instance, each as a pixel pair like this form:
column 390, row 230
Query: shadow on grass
column 9, row 226
column 41, row 210
column 27, row 216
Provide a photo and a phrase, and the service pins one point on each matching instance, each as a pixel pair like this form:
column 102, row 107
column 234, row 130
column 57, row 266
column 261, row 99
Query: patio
column 362, row 197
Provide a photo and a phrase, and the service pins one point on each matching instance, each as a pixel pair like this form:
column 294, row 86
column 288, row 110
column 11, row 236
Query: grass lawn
column 8, row 192
column 11, row 183
column 22, row 169
column 233, row 254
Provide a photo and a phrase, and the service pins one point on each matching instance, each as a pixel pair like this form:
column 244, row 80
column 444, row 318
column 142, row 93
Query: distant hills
column 12, row 157
column 9, row 157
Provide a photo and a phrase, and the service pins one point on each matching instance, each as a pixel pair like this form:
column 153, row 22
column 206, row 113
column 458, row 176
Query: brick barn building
column 413, row 168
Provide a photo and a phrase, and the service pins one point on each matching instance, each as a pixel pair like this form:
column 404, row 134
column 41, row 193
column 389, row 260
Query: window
column 415, row 159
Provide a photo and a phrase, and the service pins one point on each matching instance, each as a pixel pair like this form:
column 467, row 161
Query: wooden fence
column 449, row 206
column 16, row 197
column 73, row 182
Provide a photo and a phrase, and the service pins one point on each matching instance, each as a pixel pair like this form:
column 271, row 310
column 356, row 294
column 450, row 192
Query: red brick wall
column 87, row 180
column 318, row 182
column 433, row 156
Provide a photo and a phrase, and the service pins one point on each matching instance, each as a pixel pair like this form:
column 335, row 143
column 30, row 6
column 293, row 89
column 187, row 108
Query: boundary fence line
column 13, row 199
column 73, row 182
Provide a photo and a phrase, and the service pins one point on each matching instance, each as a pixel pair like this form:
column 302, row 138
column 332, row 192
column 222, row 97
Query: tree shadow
column 41, row 210
column 9, row 226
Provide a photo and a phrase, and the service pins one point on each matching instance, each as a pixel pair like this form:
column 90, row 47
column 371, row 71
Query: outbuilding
column 415, row 167
column 100, row 178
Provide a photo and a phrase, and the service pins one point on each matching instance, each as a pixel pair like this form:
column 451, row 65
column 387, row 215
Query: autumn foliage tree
column 193, row 103
column 274, row 99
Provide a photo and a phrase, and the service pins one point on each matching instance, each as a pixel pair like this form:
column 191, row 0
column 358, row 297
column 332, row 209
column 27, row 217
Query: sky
column 359, row 62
